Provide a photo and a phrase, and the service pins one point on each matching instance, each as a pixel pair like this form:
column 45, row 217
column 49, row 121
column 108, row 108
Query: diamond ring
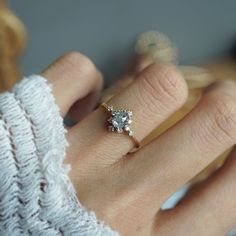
column 120, row 121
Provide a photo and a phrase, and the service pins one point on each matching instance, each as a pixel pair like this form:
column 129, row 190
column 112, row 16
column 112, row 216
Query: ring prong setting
column 120, row 121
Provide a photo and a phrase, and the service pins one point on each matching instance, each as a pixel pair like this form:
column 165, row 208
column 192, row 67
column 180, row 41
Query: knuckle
column 163, row 83
column 224, row 114
column 77, row 61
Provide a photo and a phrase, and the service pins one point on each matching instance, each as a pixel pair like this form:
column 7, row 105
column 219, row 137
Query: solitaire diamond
column 120, row 121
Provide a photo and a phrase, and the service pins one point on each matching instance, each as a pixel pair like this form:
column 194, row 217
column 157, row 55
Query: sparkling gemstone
column 120, row 119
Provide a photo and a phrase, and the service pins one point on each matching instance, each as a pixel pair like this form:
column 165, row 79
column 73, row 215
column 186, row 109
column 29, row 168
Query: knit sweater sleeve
column 36, row 195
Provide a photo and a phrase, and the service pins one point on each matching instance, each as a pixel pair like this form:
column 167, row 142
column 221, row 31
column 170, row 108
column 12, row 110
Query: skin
column 127, row 190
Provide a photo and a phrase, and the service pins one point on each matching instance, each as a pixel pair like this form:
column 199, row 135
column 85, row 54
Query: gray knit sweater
column 36, row 195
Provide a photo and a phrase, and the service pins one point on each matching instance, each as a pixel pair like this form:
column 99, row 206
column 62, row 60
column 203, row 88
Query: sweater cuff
column 32, row 151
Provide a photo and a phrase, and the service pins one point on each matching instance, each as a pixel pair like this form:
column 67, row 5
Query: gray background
column 105, row 30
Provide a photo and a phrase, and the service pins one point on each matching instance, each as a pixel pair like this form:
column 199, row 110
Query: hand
column 127, row 190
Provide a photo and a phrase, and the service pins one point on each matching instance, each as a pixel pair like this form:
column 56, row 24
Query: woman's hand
column 127, row 190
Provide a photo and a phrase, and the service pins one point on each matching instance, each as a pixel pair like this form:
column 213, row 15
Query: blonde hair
column 12, row 44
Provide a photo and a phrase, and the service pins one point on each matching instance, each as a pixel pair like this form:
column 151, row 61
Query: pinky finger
column 209, row 208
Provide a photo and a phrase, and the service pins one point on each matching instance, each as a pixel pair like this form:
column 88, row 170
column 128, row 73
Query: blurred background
column 106, row 30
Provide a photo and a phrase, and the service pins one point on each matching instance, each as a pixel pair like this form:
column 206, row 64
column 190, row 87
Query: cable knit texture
column 36, row 195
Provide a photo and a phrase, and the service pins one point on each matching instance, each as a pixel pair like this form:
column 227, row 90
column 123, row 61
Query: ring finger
column 158, row 91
